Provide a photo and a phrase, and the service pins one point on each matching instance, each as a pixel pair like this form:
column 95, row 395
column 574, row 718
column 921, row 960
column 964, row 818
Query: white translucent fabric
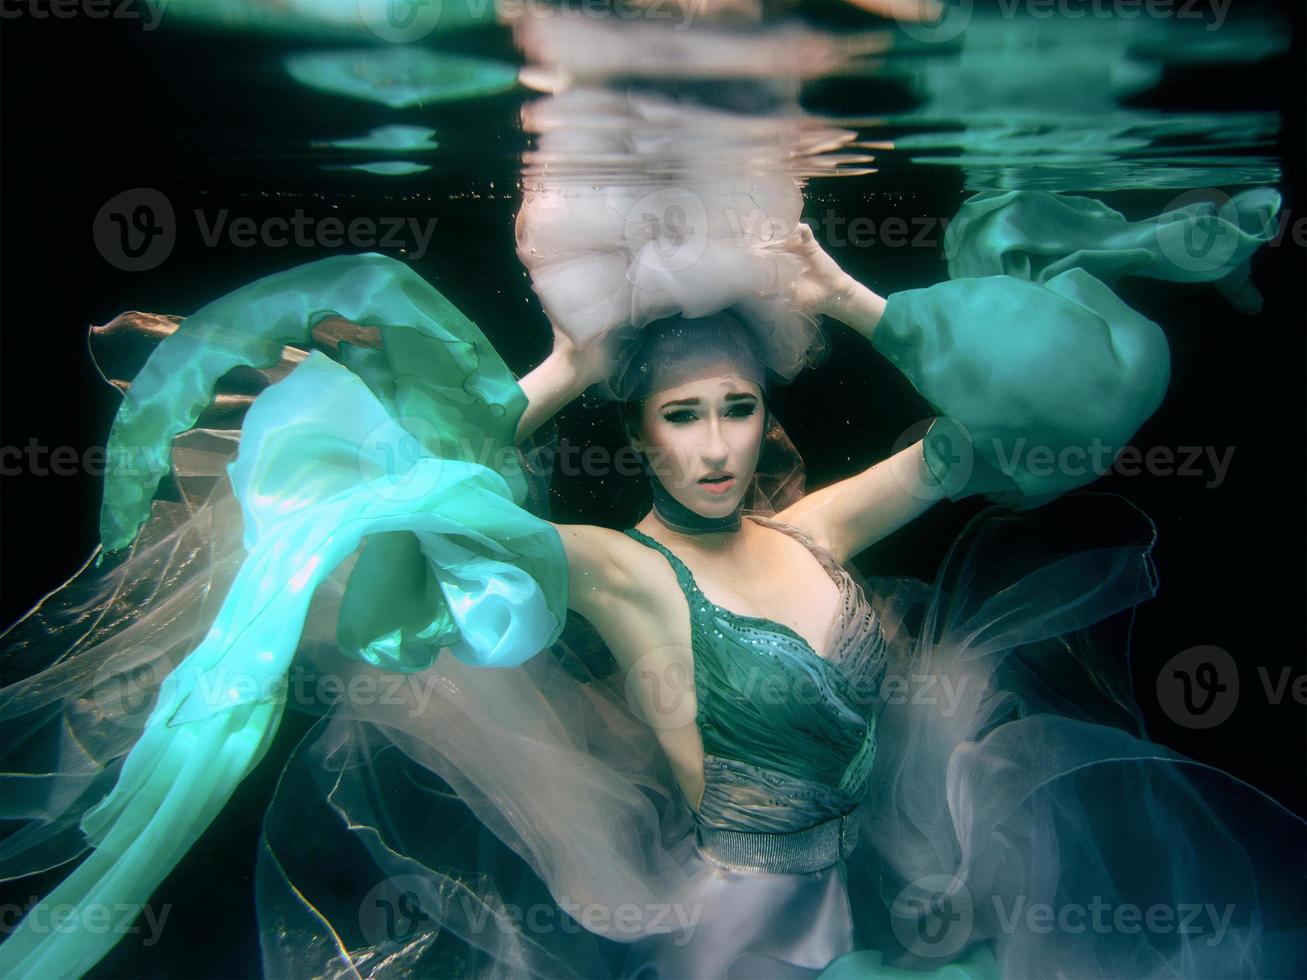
column 666, row 232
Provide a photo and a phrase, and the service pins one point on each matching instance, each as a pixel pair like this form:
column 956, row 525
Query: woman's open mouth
column 718, row 483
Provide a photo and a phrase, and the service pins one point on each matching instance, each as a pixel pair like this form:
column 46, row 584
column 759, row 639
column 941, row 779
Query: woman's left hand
column 821, row 282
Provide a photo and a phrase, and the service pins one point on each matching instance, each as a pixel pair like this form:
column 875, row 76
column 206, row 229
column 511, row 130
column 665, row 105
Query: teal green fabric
column 401, row 76
column 1038, row 385
column 1036, row 235
column 823, row 738
column 434, row 368
column 382, row 168
column 869, row 964
column 366, row 20
column 394, row 138
column 1065, row 96
column 435, row 374
column 396, row 453
column 1039, row 372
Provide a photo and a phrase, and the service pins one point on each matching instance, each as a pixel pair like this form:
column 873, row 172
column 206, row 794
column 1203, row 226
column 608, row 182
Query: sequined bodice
column 789, row 736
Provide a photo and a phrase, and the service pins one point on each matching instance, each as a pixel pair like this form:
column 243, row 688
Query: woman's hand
column 821, row 282
column 561, row 377
column 903, row 10
column 588, row 365
column 823, row 288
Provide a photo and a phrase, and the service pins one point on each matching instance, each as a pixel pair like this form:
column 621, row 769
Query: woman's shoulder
column 626, row 590
column 616, row 561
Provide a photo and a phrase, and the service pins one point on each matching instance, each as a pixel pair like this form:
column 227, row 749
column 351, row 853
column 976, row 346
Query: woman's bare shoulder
column 609, row 559
column 626, row 590
column 592, row 540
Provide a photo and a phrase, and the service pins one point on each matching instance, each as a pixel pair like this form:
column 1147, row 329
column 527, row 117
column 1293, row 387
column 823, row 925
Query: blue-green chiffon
column 1039, row 373
column 405, row 448
column 386, row 445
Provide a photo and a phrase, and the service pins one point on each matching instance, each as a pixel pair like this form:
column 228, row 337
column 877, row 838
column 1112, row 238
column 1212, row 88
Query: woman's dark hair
column 628, row 417
column 670, row 351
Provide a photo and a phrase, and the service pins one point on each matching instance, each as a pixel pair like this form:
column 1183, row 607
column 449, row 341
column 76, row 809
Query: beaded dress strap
column 684, row 577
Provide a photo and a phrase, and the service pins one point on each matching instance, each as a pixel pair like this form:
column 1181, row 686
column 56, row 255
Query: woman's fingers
column 905, row 10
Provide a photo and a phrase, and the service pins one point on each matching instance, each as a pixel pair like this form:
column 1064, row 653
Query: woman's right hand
column 559, row 378
column 589, row 364
column 821, row 284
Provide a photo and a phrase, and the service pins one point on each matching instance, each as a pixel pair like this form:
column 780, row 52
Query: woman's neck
column 720, row 544
column 675, row 516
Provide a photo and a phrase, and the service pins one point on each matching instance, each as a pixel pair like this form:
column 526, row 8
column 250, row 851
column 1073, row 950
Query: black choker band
column 673, row 514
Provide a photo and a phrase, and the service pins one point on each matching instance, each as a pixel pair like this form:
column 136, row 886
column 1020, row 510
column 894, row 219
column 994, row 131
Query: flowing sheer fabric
column 665, row 233
column 1035, row 235
column 1023, row 791
column 1011, row 775
column 459, row 790
column 327, row 456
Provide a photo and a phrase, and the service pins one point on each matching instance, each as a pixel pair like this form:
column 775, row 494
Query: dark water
column 94, row 108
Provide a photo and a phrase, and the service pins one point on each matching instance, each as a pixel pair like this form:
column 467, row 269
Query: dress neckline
column 688, row 582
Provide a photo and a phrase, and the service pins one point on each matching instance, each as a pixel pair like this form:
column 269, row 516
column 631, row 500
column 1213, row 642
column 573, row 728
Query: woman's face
column 703, row 439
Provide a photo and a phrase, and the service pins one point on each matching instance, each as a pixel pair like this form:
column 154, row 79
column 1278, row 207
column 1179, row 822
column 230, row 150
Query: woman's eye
column 688, row 416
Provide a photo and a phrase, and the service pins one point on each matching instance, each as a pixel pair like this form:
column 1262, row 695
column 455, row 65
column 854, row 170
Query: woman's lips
column 717, row 484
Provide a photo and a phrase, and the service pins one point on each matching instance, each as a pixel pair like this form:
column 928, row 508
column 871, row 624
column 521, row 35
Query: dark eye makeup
column 682, row 416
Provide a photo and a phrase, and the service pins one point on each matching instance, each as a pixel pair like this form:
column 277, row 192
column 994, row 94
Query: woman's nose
column 715, row 450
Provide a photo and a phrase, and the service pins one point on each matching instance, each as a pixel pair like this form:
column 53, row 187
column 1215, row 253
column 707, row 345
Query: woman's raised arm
column 1036, row 387
column 557, row 380
column 855, row 513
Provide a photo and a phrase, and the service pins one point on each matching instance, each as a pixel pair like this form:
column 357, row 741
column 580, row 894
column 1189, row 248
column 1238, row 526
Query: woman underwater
column 794, row 817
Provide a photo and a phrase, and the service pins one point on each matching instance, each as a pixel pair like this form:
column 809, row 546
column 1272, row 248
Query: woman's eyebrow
column 732, row 396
